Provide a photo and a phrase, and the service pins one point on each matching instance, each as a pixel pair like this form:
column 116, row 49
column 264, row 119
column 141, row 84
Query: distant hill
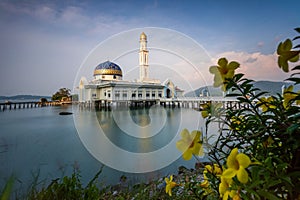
column 212, row 91
column 272, row 87
column 23, row 98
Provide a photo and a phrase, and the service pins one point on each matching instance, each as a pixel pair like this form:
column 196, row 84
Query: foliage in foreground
column 257, row 151
column 70, row 187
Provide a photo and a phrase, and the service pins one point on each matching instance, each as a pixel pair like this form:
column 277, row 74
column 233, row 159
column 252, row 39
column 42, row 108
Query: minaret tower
column 143, row 58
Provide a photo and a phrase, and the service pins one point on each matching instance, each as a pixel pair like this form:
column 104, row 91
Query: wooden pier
column 27, row 104
column 194, row 103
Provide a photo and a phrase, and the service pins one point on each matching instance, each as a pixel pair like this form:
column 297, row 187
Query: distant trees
column 43, row 100
column 62, row 93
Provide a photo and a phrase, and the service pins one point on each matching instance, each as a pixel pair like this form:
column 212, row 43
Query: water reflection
column 50, row 144
column 140, row 116
column 120, row 124
column 134, row 137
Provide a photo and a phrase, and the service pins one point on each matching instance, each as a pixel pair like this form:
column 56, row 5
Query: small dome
column 143, row 36
column 108, row 68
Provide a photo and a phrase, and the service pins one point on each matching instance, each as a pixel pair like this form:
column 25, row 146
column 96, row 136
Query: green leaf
column 237, row 77
column 7, row 189
column 274, row 182
column 246, row 81
column 287, row 179
column 242, row 100
column 96, row 176
column 292, row 128
column 297, row 29
column 295, row 117
column 294, row 174
column 295, row 74
column 233, row 95
column 268, row 195
column 259, row 94
column 268, row 162
column 296, row 68
column 294, row 79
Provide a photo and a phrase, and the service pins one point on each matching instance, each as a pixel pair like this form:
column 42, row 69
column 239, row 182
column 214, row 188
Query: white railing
column 189, row 99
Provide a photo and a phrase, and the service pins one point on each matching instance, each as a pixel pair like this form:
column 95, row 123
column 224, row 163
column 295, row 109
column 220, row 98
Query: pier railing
column 185, row 102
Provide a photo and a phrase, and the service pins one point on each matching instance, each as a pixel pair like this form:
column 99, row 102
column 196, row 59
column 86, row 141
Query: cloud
column 44, row 38
column 13, row 8
column 256, row 65
column 45, row 12
column 39, row 11
column 58, row 36
column 260, row 44
column 74, row 18
column 74, row 15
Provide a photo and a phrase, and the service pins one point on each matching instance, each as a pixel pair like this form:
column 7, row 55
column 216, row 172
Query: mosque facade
column 108, row 85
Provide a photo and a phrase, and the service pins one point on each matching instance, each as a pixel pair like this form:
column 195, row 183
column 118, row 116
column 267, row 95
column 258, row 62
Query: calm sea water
column 40, row 142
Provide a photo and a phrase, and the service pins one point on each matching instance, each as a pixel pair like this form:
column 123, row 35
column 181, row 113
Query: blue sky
column 43, row 43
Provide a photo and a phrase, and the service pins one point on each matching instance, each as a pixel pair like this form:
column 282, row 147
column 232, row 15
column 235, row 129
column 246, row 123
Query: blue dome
column 108, row 68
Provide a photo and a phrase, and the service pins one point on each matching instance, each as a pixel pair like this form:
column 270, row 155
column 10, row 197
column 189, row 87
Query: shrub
column 257, row 151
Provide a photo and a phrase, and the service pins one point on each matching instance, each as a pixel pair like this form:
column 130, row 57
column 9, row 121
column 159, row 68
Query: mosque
column 108, row 86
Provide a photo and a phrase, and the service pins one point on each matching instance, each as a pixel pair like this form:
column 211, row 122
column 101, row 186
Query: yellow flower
column 285, row 54
column 236, row 197
column 288, row 96
column 190, row 144
column 205, row 182
column 215, row 169
column 205, row 110
column 210, row 108
column 266, row 103
column 236, row 122
column 169, row 185
column 237, row 164
column 224, row 188
column 268, row 142
column 223, row 71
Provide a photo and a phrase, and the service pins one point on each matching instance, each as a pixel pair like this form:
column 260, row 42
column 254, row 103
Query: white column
column 143, row 57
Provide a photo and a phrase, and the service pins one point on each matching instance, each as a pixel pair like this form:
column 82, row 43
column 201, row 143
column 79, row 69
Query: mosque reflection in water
column 140, row 130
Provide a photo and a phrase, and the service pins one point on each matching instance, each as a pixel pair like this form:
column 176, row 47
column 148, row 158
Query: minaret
column 143, row 58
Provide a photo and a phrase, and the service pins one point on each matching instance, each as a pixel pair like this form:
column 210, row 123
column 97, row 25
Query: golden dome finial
column 143, row 36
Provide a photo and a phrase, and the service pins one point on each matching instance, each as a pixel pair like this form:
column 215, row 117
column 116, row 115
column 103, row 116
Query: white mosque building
column 108, row 85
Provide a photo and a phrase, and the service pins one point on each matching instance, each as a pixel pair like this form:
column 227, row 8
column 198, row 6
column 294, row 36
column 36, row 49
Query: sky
column 45, row 45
